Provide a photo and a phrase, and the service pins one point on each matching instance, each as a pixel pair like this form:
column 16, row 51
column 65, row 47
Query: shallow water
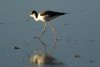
column 78, row 32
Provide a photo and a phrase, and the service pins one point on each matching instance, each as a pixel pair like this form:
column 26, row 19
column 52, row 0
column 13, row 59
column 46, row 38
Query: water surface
column 78, row 32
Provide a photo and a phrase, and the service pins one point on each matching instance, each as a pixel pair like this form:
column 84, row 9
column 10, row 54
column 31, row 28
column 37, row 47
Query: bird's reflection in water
column 43, row 43
column 43, row 59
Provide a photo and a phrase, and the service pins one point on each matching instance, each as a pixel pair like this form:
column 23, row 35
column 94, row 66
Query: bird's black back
column 51, row 13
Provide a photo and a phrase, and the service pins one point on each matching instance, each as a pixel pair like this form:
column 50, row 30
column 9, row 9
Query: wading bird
column 45, row 17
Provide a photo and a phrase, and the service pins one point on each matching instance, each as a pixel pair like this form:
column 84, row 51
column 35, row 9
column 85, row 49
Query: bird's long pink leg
column 55, row 38
column 44, row 29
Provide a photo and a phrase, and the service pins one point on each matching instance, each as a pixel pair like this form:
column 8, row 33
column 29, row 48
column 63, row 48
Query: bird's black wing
column 51, row 13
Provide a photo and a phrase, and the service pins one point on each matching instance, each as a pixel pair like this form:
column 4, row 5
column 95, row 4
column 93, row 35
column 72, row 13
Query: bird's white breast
column 43, row 18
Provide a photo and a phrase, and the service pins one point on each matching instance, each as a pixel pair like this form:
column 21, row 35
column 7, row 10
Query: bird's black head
column 33, row 12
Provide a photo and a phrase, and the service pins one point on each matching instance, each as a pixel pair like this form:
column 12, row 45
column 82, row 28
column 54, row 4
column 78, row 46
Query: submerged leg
column 54, row 33
column 44, row 29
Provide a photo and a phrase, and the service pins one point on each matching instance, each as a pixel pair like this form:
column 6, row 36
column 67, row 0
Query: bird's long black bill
column 28, row 19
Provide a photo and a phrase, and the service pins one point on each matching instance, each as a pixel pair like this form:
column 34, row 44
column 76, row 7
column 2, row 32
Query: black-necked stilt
column 46, row 16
